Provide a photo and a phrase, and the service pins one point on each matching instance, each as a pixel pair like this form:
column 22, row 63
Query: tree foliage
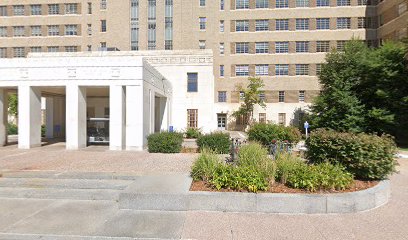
column 364, row 90
column 13, row 104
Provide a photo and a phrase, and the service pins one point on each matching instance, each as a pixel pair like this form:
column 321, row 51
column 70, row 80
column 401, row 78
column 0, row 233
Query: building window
column 222, row 71
column 89, row 29
column 282, row 119
column 222, row 27
column 222, row 96
column 103, row 46
column 89, row 8
column 262, row 117
column 3, row 11
column 3, row 31
column 168, row 44
column 89, row 48
column 36, row 31
column 53, row 49
column 71, row 8
column 282, row 3
column 53, row 9
column 203, row 22
column 222, row 5
column 241, row 96
column 302, row 24
column 282, row 47
column 18, row 52
column 261, row 47
column 192, row 82
column 322, row 23
column 302, row 47
column 18, row 31
column 3, row 52
column 35, row 49
column 242, row 47
column 318, row 68
column 71, row 49
column 18, row 10
column 242, row 4
column 282, row 69
column 103, row 25
column 53, row 30
column 323, row 3
column 302, row 69
column 343, row 23
column 302, row 96
column 302, row 3
column 322, row 46
column 262, row 70
column 242, row 26
column 104, row 4
column 241, row 70
column 262, row 96
column 151, row 35
column 168, row 31
column 262, row 25
column 192, row 118
column 36, row 9
column 282, row 24
column 71, row 30
column 201, row 44
column 343, row 2
column 202, row 3
column 281, row 96
column 222, row 48
column 340, row 45
column 262, row 4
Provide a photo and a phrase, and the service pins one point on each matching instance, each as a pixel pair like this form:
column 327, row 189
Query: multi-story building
column 282, row 41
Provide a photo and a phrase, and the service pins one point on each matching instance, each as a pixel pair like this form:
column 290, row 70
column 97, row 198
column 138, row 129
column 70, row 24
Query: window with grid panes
column 71, row 8
column 18, row 31
column 282, row 118
column 282, row 3
column 343, row 2
column 340, row 45
column 201, row 44
column 222, row 71
column 262, row 4
column 103, row 25
column 282, row 24
column 18, row 52
column 242, row 4
column 71, row 30
column 202, row 3
column 322, row 23
column 261, row 47
column 53, row 30
column 302, row 46
column 36, row 9
column 71, row 49
column 241, row 47
column 302, row 24
column 3, row 31
column 192, row 118
column 3, row 52
column 222, row 96
column 35, row 49
column 241, row 96
column 203, row 22
column 222, row 4
column 192, row 82
column 242, row 26
column 301, row 96
column 241, row 70
column 282, row 47
column 262, row 25
column 53, row 49
column 18, row 10
column 343, row 23
column 262, row 96
column 104, row 4
column 262, row 70
column 222, row 48
column 362, row 22
column 322, row 46
column 322, row 3
column 282, row 69
column 36, row 31
column 302, row 3
column 262, row 117
column 53, row 9
column 3, row 11
column 281, row 96
column 318, row 68
column 302, row 69
column 222, row 27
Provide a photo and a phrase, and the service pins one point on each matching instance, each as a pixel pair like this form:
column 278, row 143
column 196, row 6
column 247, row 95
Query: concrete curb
column 351, row 202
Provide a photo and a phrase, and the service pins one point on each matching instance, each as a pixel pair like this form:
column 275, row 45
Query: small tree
column 250, row 99
column 13, row 104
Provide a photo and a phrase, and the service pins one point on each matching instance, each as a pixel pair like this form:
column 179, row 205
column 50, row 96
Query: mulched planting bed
column 281, row 188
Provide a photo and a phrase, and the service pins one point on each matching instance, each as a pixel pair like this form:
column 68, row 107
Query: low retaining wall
column 350, row 202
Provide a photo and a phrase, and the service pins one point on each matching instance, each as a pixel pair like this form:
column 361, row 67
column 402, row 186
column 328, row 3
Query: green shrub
column 265, row 133
column 256, row 156
column 366, row 156
column 12, row 129
column 205, row 166
column 192, row 133
column 165, row 142
column 286, row 164
column 218, row 142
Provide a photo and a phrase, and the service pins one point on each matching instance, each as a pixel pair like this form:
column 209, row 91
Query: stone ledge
column 350, row 202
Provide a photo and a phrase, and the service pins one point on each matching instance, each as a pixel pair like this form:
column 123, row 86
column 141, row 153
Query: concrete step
column 69, row 175
column 13, row 236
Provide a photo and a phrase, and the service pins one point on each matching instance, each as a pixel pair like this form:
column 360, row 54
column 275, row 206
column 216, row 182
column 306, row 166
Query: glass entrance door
column 222, row 121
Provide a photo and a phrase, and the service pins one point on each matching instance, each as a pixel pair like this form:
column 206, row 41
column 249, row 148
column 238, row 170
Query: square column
column 76, row 117
column 3, row 116
column 49, row 120
column 29, row 117
column 117, row 99
column 134, row 118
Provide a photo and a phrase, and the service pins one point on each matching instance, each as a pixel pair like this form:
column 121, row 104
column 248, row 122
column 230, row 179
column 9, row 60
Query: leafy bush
column 368, row 157
column 266, row 132
column 205, row 166
column 218, row 142
column 192, row 133
column 12, row 129
column 165, row 142
column 255, row 155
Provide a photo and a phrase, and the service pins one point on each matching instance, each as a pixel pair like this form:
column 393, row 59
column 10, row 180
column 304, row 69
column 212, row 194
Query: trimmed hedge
column 165, row 142
column 265, row 133
column 192, row 133
column 217, row 141
column 367, row 156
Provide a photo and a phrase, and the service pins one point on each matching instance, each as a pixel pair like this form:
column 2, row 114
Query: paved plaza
column 46, row 193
